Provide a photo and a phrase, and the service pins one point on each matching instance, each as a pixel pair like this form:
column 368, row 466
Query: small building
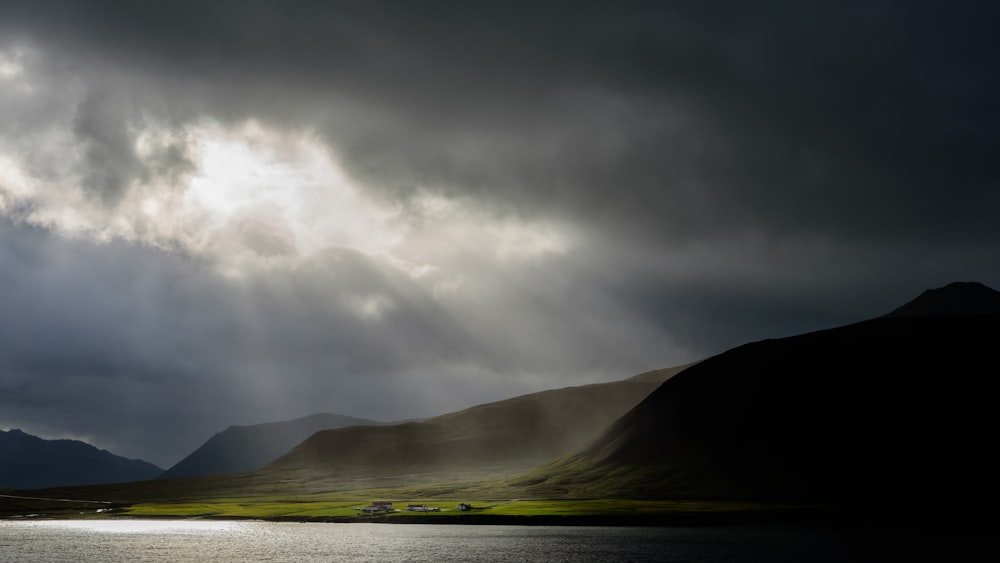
column 378, row 506
column 421, row 508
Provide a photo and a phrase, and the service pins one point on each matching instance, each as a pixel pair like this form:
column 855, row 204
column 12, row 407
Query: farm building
column 421, row 508
column 378, row 506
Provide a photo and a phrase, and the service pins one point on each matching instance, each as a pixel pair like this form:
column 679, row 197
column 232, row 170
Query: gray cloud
column 713, row 173
column 780, row 114
column 100, row 128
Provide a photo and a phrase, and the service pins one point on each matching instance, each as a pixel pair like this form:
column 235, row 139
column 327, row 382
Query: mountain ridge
column 31, row 462
column 956, row 298
column 241, row 448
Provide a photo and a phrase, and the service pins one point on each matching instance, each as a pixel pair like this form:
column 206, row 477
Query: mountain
column 898, row 409
column 245, row 448
column 959, row 298
column 491, row 439
column 29, row 462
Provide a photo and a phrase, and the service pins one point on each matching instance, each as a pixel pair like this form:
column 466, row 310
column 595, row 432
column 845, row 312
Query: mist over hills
column 895, row 409
column 491, row 439
column 481, row 442
column 245, row 448
column 30, row 462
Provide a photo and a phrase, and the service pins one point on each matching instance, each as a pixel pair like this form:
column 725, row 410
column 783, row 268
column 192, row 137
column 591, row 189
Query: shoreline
column 813, row 517
column 823, row 517
column 687, row 516
column 682, row 520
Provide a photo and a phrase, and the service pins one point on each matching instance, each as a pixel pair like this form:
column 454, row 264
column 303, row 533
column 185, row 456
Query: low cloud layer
column 236, row 212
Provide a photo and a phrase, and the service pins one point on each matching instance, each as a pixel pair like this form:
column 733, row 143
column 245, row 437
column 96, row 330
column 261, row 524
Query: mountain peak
column 958, row 298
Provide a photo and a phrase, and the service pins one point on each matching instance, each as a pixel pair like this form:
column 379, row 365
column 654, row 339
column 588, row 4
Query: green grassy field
column 309, row 498
column 320, row 508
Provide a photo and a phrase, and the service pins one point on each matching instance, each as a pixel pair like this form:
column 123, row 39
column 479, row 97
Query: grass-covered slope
column 898, row 409
column 486, row 440
column 245, row 448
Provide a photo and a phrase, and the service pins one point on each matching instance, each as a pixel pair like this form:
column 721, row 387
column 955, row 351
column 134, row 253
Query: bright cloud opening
column 244, row 195
column 268, row 193
column 10, row 65
column 237, row 193
column 14, row 183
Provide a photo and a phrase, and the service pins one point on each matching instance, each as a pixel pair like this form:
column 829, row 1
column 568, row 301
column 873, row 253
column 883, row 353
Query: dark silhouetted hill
column 511, row 435
column 29, row 462
column 959, row 298
column 245, row 448
column 899, row 409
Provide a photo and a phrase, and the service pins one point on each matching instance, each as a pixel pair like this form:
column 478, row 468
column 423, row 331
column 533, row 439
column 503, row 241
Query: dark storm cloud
column 856, row 118
column 732, row 171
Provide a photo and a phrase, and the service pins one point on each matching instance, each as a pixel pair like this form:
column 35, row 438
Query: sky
column 235, row 212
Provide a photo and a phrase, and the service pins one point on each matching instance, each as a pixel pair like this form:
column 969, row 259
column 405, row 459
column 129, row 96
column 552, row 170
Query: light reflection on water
column 203, row 540
column 140, row 526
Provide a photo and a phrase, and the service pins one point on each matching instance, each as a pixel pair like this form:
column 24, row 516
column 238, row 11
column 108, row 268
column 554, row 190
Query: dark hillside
column 896, row 408
column 959, row 298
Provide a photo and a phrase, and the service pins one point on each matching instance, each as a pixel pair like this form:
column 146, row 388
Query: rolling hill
column 245, row 448
column 898, row 409
column 485, row 440
column 30, row 462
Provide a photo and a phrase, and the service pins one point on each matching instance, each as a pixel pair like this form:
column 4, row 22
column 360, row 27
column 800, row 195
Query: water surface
column 202, row 540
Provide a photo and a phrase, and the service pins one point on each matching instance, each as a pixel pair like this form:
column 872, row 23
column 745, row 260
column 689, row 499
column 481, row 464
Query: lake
column 205, row 540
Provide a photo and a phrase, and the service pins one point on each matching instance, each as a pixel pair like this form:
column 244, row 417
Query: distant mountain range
column 245, row 448
column 29, row 462
column 899, row 409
